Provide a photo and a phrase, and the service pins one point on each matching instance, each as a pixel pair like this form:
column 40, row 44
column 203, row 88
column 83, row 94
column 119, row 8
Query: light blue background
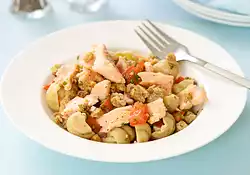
column 229, row 154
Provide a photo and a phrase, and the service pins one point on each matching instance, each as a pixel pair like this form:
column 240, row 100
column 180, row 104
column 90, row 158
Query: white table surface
column 229, row 154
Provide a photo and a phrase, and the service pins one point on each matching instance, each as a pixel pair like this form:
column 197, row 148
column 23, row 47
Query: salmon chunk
column 101, row 89
column 73, row 105
column 122, row 64
column 148, row 67
column 160, row 79
column 105, row 66
column 115, row 118
column 157, row 110
column 192, row 96
column 65, row 75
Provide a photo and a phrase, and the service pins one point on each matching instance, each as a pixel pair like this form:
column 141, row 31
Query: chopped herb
column 188, row 78
column 54, row 68
column 189, row 96
column 80, row 66
column 137, row 78
column 182, row 115
column 132, row 81
column 88, row 57
column 78, row 57
column 65, row 83
column 80, row 83
column 171, row 65
column 82, row 108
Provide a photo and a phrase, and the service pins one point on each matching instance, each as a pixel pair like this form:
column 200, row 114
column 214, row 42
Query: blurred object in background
column 30, row 8
column 87, row 6
column 235, row 6
column 230, row 12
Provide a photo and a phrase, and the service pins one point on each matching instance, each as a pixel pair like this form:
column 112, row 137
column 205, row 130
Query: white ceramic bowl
column 23, row 98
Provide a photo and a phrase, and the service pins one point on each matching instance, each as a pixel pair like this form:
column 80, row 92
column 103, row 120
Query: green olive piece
column 130, row 131
column 167, row 129
column 52, row 97
column 177, row 88
column 167, row 67
column 171, row 102
column 117, row 135
column 76, row 124
column 143, row 132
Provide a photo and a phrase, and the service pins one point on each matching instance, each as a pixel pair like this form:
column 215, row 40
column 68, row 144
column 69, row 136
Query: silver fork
column 162, row 44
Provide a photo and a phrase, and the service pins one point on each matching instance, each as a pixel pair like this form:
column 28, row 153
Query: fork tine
column 150, row 46
column 151, row 38
column 155, row 35
column 163, row 34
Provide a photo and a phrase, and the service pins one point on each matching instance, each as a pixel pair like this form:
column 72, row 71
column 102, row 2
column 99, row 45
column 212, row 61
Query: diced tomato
column 46, row 87
column 182, row 112
column 130, row 74
column 179, row 79
column 93, row 124
column 139, row 114
column 107, row 105
column 158, row 124
column 178, row 116
column 139, row 67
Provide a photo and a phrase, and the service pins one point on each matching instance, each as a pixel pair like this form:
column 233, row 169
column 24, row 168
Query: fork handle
column 213, row 68
column 227, row 74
